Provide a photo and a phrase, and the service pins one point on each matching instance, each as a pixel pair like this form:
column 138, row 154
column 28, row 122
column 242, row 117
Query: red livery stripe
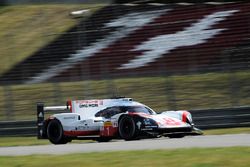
column 81, row 133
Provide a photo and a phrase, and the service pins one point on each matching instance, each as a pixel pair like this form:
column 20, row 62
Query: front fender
column 182, row 115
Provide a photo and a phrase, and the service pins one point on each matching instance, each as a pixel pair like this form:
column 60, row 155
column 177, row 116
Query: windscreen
column 138, row 109
column 111, row 111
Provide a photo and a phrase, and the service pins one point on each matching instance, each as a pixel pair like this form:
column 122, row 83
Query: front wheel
column 127, row 128
column 55, row 133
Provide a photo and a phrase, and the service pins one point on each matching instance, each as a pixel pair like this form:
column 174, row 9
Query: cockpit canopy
column 111, row 111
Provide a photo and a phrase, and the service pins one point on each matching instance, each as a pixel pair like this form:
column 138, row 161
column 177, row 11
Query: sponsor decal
column 71, row 117
column 139, row 125
column 40, row 115
column 115, row 124
column 151, row 127
column 108, row 123
column 147, row 129
column 89, row 103
column 82, row 127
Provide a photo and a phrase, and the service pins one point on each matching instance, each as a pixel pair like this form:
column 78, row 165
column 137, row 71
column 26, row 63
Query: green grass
column 209, row 157
column 227, row 131
column 24, row 29
column 209, row 90
column 29, row 141
column 21, row 141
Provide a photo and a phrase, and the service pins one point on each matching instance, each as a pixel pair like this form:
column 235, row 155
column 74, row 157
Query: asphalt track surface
column 120, row 145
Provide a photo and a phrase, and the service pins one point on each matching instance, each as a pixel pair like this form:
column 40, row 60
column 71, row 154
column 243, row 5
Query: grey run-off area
column 120, row 145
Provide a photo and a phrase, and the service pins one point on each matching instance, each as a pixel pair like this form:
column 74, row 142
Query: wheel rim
column 127, row 128
column 54, row 132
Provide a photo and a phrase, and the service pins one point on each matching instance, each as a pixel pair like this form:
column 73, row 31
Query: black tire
column 55, row 133
column 127, row 128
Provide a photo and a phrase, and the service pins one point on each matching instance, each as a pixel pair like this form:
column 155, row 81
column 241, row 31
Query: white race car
column 106, row 119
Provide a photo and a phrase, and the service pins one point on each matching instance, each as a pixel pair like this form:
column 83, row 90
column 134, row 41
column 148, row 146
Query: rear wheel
column 127, row 128
column 55, row 133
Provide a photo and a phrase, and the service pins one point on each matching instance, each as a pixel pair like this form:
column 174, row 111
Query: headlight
column 147, row 121
column 189, row 117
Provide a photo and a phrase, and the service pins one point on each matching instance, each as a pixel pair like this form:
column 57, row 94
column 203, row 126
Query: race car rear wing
column 41, row 109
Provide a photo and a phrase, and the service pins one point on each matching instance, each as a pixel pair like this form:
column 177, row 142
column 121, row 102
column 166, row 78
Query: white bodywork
column 82, row 118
